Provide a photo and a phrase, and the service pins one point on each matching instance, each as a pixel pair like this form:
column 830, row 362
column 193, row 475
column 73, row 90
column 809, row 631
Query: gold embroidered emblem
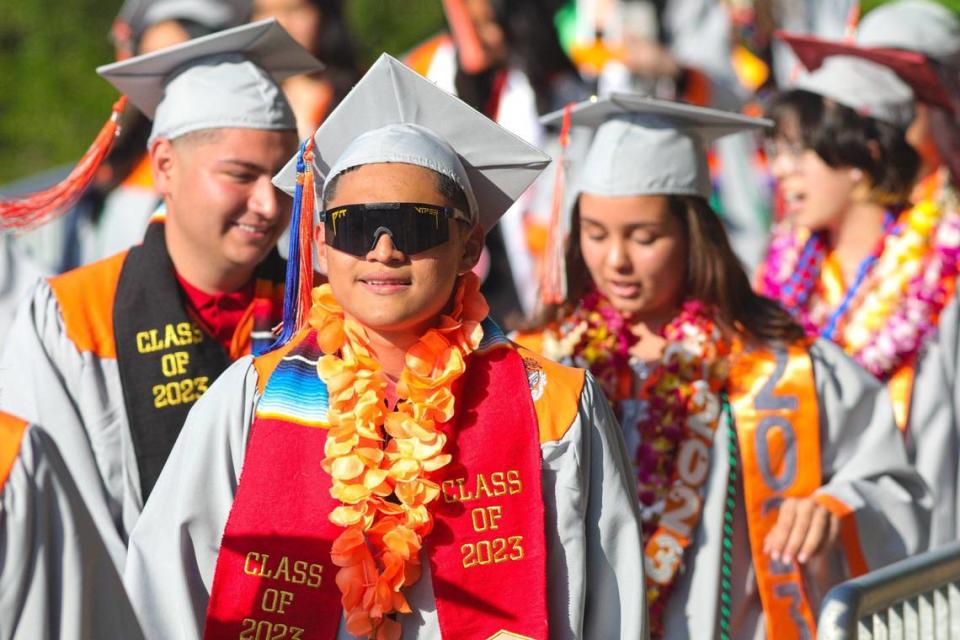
column 503, row 634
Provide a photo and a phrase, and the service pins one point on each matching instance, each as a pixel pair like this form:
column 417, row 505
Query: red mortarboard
column 912, row 67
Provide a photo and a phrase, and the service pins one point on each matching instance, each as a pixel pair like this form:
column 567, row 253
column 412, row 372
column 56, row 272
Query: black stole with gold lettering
column 166, row 361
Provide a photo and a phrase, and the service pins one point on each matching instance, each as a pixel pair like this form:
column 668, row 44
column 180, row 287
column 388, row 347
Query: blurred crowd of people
column 703, row 253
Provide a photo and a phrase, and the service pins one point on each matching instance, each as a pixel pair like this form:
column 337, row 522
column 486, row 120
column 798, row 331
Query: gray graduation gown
column 864, row 465
column 594, row 564
column 46, row 379
column 57, row 579
column 933, row 436
column 18, row 275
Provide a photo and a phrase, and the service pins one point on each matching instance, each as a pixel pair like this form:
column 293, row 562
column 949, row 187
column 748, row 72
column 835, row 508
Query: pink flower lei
column 896, row 308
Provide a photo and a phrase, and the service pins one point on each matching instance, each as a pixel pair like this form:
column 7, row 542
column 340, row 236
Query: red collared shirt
column 219, row 314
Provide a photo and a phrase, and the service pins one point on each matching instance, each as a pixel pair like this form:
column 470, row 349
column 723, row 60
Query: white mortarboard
column 914, row 25
column 393, row 114
column 215, row 15
column 224, row 80
column 645, row 146
column 866, row 87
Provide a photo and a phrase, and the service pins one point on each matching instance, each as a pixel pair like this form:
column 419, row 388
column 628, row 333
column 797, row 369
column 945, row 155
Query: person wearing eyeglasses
column 858, row 261
column 395, row 467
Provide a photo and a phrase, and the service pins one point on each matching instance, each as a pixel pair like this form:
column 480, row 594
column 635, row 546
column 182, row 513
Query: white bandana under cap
column 228, row 79
column 234, row 92
column 393, row 114
column 406, row 143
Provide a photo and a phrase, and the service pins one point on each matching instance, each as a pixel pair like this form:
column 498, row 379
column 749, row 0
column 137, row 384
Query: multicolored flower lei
column 595, row 337
column 383, row 484
column 895, row 310
column 683, row 401
column 683, row 395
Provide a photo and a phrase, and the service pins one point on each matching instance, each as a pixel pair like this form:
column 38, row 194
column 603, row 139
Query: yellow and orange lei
column 383, row 483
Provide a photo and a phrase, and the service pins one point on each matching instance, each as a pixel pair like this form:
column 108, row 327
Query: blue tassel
column 292, row 282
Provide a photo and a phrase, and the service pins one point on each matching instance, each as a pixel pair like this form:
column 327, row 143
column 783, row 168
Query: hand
column 804, row 528
column 650, row 59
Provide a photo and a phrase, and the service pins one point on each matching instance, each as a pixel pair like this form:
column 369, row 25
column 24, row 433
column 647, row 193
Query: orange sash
column 11, row 435
column 774, row 400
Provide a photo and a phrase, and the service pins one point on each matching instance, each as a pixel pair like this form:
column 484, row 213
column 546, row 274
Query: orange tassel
column 36, row 209
column 473, row 59
column 553, row 280
column 307, row 209
column 851, row 24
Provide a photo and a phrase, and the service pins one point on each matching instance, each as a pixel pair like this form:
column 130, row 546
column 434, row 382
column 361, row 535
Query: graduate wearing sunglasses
column 404, row 470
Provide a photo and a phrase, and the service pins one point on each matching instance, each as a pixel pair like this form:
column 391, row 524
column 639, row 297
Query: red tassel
column 38, row 208
column 307, row 208
column 553, row 276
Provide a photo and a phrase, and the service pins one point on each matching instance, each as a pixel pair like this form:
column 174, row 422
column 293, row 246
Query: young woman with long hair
column 858, row 262
column 759, row 454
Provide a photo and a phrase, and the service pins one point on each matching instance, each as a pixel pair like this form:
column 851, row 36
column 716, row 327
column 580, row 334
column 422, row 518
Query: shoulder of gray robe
column 864, row 461
column 57, row 579
column 595, row 565
column 46, row 379
column 18, row 275
column 933, row 439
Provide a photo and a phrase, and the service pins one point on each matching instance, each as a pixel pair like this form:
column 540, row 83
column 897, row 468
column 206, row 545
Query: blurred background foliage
column 52, row 103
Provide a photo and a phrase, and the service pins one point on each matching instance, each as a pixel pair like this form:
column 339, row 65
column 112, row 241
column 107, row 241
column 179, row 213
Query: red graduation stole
column 274, row 577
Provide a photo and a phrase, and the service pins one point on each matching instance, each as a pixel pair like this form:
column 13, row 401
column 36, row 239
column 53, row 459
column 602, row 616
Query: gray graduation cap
column 645, row 146
column 394, row 114
column 226, row 79
column 913, row 25
column 214, row 15
column 866, row 87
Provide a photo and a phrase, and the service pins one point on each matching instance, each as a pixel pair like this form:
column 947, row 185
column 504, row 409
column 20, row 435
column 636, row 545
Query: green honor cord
column 726, row 571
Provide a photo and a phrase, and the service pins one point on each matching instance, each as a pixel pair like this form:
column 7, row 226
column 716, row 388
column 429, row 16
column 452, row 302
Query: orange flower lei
column 383, row 484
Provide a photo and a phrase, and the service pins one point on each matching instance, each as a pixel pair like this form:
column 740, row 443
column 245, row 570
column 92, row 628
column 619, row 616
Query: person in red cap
column 858, row 261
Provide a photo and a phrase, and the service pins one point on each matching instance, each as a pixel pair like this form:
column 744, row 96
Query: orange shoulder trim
column 421, row 57
column 142, row 175
column 532, row 340
column 556, row 393
column 11, row 435
column 86, row 297
column 266, row 363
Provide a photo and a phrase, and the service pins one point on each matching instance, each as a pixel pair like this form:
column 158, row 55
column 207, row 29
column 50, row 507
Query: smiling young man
column 406, row 470
column 114, row 354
